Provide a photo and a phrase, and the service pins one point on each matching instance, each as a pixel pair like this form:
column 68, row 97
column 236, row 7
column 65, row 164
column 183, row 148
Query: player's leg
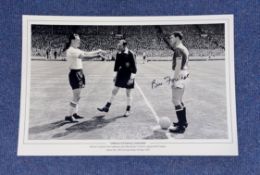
column 75, row 101
column 176, row 100
column 184, row 109
column 177, row 94
column 76, row 98
column 110, row 100
column 74, row 105
column 128, row 102
column 77, row 82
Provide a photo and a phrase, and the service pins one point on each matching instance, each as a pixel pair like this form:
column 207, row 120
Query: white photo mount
column 170, row 147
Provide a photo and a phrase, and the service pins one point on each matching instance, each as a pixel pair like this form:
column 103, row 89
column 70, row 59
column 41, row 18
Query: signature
column 168, row 79
column 155, row 83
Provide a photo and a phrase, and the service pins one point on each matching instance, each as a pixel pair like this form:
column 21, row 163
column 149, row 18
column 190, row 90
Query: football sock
column 178, row 113
column 178, row 108
column 181, row 115
column 108, row 104
column 128, row 108
column 184, row 115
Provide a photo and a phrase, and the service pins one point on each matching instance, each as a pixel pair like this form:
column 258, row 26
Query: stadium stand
column 202, row 40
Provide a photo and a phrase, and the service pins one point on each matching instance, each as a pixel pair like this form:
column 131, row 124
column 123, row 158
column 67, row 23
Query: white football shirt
column 73, row 58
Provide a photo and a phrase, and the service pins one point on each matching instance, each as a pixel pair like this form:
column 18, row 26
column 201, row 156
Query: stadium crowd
column 201, row 40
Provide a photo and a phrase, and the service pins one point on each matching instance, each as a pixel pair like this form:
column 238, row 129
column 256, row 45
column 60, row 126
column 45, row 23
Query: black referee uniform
column 124, row 66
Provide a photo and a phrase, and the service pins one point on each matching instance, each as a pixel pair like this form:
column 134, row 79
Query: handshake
column 101, row 53
column 94, row 54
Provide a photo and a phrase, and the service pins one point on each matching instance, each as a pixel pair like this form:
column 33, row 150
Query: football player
column 76, row 75
column 144, row 57
column 180, row 74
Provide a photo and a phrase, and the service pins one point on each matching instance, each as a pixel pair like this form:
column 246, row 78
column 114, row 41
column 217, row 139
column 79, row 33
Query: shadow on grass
column 47, row 127
column 96, row 122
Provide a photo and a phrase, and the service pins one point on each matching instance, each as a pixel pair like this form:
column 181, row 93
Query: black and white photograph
column 128, row 86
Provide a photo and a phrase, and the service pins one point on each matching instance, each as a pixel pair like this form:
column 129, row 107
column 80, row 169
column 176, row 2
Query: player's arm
column 116, row 68
column 133, row 69
column 92, row 54
column 177, row 69
column 160, row 34
column 165, row 39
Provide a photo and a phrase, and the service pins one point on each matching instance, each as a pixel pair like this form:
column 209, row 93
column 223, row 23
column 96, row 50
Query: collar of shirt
column 125, row 51
column 179, row 45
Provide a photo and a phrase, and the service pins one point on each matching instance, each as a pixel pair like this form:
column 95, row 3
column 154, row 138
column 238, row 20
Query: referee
column 76, row 75
column 125, row 71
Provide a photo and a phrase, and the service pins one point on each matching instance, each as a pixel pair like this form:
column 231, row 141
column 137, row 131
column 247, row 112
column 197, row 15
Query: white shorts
column 179, row 84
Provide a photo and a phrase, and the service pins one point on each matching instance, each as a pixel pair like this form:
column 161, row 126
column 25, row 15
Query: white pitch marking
column 147, row 102
column 152, row 110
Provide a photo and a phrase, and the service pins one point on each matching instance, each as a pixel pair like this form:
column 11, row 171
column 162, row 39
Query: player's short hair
column 124, row 42
column 178, row 34
column 72, row 36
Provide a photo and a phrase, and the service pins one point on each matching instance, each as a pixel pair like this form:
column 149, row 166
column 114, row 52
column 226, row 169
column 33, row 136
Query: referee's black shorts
column 76, row 78
column 122, row 79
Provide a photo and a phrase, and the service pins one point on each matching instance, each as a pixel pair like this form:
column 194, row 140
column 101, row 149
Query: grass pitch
column 205, row 99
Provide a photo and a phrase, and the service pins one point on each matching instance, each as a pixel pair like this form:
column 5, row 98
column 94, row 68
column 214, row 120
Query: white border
column 156, row 147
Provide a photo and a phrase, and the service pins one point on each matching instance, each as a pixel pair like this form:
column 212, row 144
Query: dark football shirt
column 180, row 52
